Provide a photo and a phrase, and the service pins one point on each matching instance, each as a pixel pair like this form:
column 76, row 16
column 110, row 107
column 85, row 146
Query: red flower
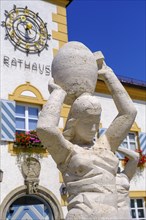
column 27, row 140
column 142, row 159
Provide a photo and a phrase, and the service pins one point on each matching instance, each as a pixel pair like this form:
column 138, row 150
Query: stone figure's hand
column 52, row 86
column 106, row 70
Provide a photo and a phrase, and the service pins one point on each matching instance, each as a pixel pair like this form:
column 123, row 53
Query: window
column 138, row 209
column 130, row 141
column 26, row 117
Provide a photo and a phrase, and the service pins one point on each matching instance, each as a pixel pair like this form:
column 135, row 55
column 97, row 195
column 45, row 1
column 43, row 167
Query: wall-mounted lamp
column 1, row 175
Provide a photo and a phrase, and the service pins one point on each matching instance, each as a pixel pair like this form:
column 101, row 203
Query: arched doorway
column 30, row 207
column 18, row 205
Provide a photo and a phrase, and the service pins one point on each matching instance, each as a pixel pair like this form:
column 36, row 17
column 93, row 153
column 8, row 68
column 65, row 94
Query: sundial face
column 26, row 30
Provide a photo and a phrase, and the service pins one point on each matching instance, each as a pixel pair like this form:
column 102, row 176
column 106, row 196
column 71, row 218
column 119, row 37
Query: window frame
column 136, row 208
column 26, row 117
column 128, row 141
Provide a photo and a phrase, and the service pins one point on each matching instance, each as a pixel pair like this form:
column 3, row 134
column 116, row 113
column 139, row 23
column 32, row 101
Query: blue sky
column 117, row 28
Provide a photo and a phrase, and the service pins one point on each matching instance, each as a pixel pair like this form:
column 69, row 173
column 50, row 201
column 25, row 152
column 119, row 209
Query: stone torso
column 89, row 175
column 123, row 185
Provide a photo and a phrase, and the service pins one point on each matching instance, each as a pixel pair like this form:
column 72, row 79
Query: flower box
column 27, row 140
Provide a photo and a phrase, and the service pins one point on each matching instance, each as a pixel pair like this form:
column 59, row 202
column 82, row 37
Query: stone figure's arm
column 131, row 165
column 122, row 123
column 47, row 127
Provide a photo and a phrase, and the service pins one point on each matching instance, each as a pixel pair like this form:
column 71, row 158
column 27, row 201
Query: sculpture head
column 84, row 119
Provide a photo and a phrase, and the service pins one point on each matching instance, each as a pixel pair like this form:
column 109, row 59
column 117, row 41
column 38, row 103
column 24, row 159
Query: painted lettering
column 32, row 67
column 27, row 65
column 19, row 61
column 6, row 61
column 47, row 70
column 14, row 62
column 41, row 69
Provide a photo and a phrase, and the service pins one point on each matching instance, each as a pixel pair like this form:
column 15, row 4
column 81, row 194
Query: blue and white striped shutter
column 7, row 123
column 142, row 141
column 102, row 131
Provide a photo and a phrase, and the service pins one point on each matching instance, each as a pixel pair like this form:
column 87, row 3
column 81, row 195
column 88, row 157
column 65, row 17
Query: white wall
column 12, row 177
column 138, row 182
column 109, row 111
column 141, row 114
column 11, row 76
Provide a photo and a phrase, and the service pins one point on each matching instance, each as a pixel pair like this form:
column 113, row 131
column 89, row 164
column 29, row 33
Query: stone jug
column 74, row 68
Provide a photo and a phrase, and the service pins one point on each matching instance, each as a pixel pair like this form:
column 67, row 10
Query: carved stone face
column 86, row 128
column 31, row 168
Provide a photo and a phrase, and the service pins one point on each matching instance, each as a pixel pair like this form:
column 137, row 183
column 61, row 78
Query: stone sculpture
column 123, row 183
column 74, row 68
column 89, row 168
column 31, row 170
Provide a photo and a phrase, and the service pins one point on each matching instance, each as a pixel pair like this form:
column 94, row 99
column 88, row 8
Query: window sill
column 14, row 151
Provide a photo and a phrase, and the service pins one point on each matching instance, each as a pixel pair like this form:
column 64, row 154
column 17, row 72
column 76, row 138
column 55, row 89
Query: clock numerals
column 26, row 30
